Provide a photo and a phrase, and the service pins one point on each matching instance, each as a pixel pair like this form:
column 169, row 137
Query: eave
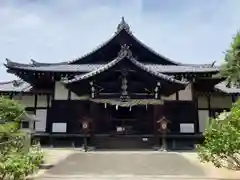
column 85, row 68
column 225, row 88
column 125, row 53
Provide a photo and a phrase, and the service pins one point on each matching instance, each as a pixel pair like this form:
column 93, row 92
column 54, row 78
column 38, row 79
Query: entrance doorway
column 129, row 120
column 123, row 120
column 128, row 128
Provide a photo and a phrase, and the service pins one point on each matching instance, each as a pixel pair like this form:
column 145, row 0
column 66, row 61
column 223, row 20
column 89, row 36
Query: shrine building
column 118, row 93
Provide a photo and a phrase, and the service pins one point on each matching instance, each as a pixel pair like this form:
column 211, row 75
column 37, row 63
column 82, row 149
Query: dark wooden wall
column 179, row 112
column 70, row 112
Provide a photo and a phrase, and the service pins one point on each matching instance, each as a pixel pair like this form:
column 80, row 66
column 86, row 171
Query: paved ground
column 75, row 165
column 124, row 165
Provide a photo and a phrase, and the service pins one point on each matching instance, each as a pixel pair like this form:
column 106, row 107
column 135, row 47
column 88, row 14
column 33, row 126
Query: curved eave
column 86, row 68
column 36, row 63
column 222, row 87
column 123, row 26
column 124, row 54
column 10, row 63
column 78, row 69
column 15, row 86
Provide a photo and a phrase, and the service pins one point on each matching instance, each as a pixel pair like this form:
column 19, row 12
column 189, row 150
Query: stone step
column 121, row 143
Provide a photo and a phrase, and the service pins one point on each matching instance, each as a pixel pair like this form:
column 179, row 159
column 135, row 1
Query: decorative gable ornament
column 123, row 25
column 125, row 52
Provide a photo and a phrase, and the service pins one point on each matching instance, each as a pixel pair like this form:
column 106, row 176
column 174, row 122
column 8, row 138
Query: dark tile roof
column 181, row 68
column 60, row 68
column 15, row 86
column 125, row 53
column 91, row 67
column 223, row 87
column 122, row 27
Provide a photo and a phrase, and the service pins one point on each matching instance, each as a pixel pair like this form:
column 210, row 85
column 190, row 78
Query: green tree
column 230, row 69
column 15, row 162
column 10, row 110
column 222, row 140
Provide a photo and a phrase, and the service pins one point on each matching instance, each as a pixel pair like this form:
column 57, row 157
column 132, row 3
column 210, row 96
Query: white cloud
column 61, row 30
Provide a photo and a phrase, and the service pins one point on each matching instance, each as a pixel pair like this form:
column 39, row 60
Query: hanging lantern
column 156, row 92
column 92, row 90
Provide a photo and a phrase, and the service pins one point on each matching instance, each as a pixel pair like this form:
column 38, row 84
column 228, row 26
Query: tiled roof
column 125, row 53
column 181, row 68
column 60, row 68
column 15, row 86
column 122, row 27
column 223, row 87
column 91, row 67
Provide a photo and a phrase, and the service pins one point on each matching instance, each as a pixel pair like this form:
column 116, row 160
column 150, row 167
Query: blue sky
column 188, row 31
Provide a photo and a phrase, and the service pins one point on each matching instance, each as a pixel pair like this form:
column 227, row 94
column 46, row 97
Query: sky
column 187, row 31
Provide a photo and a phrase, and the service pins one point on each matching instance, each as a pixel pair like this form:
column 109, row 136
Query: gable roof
column 124, row 53
column 122, row 27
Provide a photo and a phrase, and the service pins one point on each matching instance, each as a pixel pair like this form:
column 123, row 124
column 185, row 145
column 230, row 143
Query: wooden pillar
column 195, row 100
column 209, row 106
column 155, row 132
column 92, row 114
column 154, row 120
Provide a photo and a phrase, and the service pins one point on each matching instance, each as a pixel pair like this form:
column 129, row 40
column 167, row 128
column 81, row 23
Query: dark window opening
column 25, row 124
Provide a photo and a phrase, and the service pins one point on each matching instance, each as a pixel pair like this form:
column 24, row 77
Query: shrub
column 222, row 140
column 16, row 161
column 18, row 166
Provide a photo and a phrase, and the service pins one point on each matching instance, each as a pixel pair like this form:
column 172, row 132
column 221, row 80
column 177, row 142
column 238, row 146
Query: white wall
column 59, row 127
column 76, row 97
column 217, row 101
column 60, row 92
column 42, row 101
column 40, row 125
column 172, row 97
column 26, row 100
column 187, row 128
column 203, row 119
column 186, row 94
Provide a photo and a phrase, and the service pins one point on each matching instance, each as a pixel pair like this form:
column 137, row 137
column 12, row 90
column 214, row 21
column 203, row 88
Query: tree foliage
column 222, row 140
column 15, row 162
column 10, row 110
column 230, row 69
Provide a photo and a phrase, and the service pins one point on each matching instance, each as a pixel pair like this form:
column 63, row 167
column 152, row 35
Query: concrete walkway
column 148, row 165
